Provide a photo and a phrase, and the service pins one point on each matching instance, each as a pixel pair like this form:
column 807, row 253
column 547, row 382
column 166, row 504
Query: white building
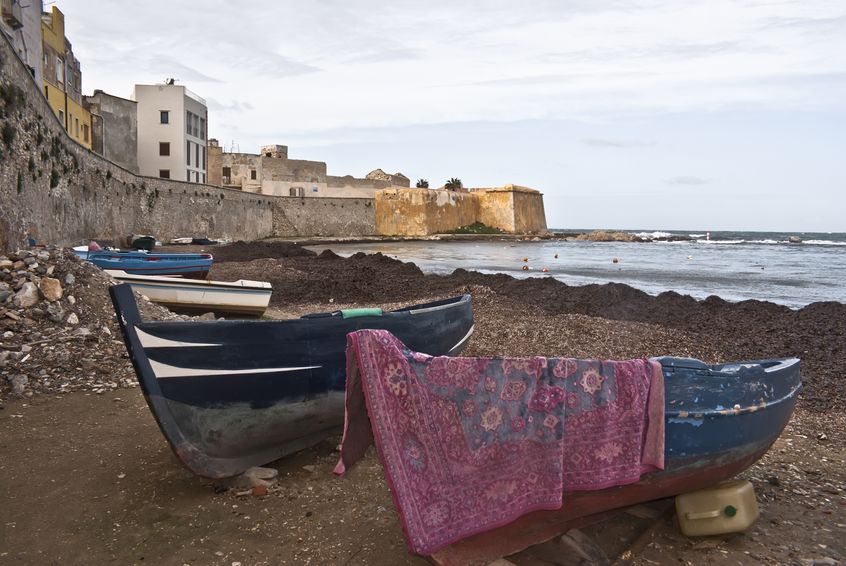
column 172, row 132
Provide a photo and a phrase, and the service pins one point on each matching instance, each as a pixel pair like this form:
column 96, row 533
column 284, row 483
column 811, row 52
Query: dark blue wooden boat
column 720, row 419
column 191, row 265
column 231, row 394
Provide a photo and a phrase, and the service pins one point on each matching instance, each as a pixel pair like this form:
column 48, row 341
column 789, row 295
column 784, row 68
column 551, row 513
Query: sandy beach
column 88, row 478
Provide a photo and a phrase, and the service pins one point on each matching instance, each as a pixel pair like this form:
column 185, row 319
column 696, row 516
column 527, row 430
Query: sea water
column 732, row 265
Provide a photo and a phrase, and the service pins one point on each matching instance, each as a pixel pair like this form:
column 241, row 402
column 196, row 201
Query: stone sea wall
column 56, row 191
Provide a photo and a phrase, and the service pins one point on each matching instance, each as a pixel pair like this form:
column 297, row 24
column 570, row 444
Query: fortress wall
column 421, row 212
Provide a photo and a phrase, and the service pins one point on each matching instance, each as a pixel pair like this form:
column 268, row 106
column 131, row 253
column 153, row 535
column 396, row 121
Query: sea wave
column 652, row 235
column 824, row 243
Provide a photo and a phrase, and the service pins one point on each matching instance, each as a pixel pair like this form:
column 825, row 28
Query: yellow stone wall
column 422, row 212
column 496, row 209
column 529, row 214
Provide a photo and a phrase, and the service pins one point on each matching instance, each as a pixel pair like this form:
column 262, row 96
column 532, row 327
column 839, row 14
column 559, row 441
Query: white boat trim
column 149, row 341
column 163, row 371
column 463, row 340
column 432, row 309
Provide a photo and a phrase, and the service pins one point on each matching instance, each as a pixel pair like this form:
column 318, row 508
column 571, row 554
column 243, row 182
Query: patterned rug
column 470, row 444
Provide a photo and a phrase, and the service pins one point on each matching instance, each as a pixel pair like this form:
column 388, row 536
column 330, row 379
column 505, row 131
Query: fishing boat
column 719, row 420
column 192, row 265
column 242, row 297
column 231, row 394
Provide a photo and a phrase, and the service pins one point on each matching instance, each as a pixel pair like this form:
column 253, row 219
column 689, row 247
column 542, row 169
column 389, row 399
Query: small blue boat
column 191, row 265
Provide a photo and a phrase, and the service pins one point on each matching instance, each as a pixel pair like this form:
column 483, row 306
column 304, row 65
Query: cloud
column 688, row 180
column 381, row 55
column 602, row 142
column 234, row 106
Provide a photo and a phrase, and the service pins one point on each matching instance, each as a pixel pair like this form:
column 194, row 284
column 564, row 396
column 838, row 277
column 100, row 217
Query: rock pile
column 57, row 326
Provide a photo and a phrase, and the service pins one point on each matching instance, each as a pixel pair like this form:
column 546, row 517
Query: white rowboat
column 241, row 297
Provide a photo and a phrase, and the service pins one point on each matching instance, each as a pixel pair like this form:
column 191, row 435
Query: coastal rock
column 19, row 383
column 4, row 294
column 18, row 265
column 55, row 312
column 794, row 240
column 51, row 288
column 27, row 296
column 70, row 279
column 72, row 318
column 6, row 263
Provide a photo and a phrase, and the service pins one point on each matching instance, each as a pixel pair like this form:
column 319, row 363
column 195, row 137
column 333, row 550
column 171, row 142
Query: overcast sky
column 624, row 113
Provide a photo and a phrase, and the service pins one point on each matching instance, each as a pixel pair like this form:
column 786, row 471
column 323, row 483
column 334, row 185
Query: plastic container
column 727, row 507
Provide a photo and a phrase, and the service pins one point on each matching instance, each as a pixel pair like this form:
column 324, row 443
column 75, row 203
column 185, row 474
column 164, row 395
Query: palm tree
column 453, row 183
column 422, row 184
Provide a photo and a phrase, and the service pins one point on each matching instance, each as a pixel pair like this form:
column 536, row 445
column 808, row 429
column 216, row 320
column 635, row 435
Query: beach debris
column 254, row 477
column 525, row 259
column 525, row 268
column 556, row 256
column 545, row 270
column 615, row 260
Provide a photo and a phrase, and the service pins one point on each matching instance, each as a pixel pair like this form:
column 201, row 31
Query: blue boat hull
column 190, row 265
column 233, row 394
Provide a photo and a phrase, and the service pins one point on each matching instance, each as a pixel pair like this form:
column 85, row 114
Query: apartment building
column 62, row 76
column 172, row 132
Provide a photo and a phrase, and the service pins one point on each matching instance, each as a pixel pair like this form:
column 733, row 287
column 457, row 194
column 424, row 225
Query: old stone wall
column 529, row 214
column 56, row 191
column 294, row 216
column 421, row 212
column 496, row 209
column 514, row 209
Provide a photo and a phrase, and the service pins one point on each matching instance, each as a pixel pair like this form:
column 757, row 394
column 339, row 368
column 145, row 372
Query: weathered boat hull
column 189, row 265
column 231, row 394
column 246, row 298
column 705, row 443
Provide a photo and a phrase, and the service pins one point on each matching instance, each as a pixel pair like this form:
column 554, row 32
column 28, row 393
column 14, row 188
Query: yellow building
column 63, row 78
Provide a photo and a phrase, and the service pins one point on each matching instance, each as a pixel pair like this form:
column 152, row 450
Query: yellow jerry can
column 727, row 507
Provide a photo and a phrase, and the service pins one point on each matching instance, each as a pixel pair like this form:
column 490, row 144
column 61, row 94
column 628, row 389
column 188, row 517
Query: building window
column 60, row 71
column 85, row 132
column 204, row 159
column 188, row 152
column 164, row 173
column 253, row 174
column 202, row 128
column 164, row 116
column 196, row 155
column 204, row 178
column 188, row 123
column 188, row 176
column 164, row 148
column 227, row 175
column 76, row 127
column 62, row 118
